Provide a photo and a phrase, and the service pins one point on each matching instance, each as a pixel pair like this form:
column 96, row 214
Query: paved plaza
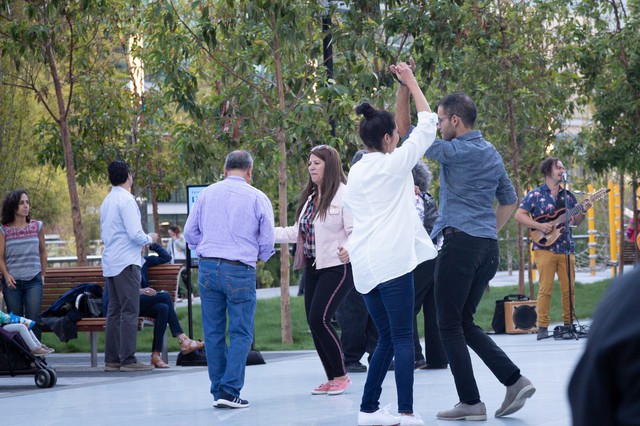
column 279, row 391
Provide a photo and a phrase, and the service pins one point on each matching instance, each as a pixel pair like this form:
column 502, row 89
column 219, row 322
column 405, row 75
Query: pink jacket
column 331, row 233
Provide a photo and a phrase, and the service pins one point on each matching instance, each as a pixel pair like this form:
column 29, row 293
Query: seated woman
column 23, row 326
column 160, row 307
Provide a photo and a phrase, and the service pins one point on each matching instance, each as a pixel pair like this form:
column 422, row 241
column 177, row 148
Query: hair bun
column 366, row 109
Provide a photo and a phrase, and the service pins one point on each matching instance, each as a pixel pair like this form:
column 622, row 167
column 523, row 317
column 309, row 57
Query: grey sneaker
column 136, row 366
column 462, row 411
column 516, row 396
column 543, row 333
column 112, row 366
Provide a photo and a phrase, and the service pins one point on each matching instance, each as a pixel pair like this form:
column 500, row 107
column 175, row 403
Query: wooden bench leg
column 165, row 347
column 93, row 337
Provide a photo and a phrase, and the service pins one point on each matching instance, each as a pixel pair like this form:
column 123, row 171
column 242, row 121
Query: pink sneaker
column 338, row 386
column 322, row 389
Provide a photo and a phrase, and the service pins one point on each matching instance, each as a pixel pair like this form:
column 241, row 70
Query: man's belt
column 450, row 230
column 230, row 262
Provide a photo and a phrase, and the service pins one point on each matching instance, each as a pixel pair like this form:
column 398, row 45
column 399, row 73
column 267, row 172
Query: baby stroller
column 17, row 359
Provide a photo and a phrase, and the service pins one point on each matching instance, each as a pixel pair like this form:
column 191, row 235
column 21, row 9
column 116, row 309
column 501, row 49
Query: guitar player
column 539, row 208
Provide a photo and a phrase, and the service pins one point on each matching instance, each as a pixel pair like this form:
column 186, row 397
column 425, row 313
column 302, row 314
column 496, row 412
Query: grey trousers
column 121, row 329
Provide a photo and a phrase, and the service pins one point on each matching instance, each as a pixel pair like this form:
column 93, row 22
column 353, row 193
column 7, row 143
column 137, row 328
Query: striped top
column 22, row 250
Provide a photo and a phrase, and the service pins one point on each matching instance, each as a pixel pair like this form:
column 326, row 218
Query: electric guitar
column 558, row 220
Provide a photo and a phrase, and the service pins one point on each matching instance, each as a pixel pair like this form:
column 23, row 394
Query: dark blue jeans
column 161, row 309
column 390, row 305
column 227, row 289
column 25, row 300
column 464, row 267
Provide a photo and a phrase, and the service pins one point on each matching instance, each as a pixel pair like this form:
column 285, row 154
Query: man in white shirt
column 123, row 238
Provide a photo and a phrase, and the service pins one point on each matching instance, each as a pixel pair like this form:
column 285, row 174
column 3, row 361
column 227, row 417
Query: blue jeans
column 390, row 305
column 25, row 300
column 464, row 267
column 227, row 289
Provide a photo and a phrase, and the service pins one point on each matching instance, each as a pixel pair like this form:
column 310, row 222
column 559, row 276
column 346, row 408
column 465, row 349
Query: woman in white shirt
column 387, row 243
column 321, row 228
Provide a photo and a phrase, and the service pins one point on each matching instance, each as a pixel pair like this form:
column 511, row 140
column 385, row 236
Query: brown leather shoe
column 157, row 361
column 187, row 345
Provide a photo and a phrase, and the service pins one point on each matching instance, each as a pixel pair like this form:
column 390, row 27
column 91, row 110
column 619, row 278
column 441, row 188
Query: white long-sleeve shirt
column 121, row 231
column 388, row 239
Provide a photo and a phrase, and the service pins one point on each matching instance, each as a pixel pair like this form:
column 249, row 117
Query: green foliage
column 607, row 54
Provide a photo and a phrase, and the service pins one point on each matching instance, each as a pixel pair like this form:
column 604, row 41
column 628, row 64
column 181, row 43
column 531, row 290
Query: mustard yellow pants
column 550, row 263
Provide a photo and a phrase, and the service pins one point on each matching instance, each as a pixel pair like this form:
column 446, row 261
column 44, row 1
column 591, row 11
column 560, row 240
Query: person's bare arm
column 503, row 213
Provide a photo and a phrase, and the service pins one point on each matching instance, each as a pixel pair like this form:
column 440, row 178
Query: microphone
column 564, row 177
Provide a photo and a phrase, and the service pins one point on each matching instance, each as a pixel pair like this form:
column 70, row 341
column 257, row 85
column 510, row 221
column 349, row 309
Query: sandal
column 157, row 362
column 187, row 345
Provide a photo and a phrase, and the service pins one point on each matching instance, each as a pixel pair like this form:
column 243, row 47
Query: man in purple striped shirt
column 230, row 227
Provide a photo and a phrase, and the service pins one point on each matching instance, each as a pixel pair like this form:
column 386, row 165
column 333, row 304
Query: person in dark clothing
column 158, row 305
column 424, row 281
column 358, row 333
column 605, row 386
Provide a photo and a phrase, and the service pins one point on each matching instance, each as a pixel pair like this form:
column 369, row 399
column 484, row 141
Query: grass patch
column 268, row 327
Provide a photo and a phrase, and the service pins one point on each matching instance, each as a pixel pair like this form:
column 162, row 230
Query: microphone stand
column 570, row 331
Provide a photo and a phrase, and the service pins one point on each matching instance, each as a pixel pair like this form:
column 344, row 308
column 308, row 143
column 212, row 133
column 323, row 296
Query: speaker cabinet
column 520, row 317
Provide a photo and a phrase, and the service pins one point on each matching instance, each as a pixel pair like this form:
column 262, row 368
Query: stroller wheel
column 43, row 378
column 54, row 377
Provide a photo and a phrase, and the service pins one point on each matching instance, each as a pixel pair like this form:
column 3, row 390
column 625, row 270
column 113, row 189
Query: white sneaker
column 380, row 417
column 414, row 420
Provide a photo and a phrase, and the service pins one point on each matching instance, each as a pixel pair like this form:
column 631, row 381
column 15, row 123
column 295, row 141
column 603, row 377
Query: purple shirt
column 231, row 220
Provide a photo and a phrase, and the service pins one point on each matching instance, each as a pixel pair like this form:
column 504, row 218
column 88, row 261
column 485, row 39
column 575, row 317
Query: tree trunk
column 515, row 156
column 285, row 307
column 515, row 165
column 65, row 137
column 634, row 187
column 622, row 228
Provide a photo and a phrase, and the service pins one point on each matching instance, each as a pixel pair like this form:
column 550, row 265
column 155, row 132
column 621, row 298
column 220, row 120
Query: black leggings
column 324, row 290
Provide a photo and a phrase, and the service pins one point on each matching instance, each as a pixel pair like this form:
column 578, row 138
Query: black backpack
column 430, row 212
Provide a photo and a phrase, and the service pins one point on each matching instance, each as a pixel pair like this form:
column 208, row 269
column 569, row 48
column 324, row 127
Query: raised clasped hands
column 400, row 72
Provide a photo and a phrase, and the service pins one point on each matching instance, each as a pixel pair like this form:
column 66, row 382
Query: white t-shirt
column 388, row 239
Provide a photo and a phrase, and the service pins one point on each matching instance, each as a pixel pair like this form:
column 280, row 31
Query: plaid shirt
column 307, row 228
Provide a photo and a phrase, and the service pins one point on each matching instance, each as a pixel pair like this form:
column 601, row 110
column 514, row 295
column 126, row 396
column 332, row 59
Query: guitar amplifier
column 521, row 317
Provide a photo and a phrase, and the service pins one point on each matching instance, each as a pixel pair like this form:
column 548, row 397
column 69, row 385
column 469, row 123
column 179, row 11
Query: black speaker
column 520, row 317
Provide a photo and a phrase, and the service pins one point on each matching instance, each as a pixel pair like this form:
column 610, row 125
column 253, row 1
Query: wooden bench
column 58, row 280
column 629, row 253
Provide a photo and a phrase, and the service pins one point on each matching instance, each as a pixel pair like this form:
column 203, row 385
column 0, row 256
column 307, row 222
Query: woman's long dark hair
column 10, row 205
column 331, row 180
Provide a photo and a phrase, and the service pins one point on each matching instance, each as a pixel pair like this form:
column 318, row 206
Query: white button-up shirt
column 121, row 232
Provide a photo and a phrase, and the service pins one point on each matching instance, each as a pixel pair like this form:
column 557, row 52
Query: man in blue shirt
column 472, row 176
column 546, row 201
column 230, row 227
column 123, row 237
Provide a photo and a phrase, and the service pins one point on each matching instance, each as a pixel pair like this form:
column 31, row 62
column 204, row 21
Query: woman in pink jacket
column 321, row 229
